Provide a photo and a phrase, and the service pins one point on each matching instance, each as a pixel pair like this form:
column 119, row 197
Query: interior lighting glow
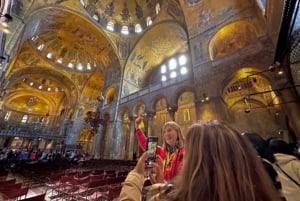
column 33, row 38
column 149, row 21
column 59, row 60
column 182, row 60
column 49, row 89
column 70, row 65
column 163, row 69
column 172, row 64
column 88, row 66
column 4, row 24
column 31, row 84
column 79, row 66
column 183, row 70
column 173, row 74
column 82, row 3
column 157, row 8
column 6, row 30
column 163, row 78
column 138, row 28
column 40, row 47
column 125, row 30
column 40, row 87
column 110, row 26
column 95, row 17
column 49, row 55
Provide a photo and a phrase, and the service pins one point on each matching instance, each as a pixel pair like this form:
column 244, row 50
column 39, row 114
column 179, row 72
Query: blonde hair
column 220, row 165
column 176, row 127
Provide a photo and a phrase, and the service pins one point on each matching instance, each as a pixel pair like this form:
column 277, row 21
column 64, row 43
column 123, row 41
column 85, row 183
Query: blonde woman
column 219, row 165
column 171, row 151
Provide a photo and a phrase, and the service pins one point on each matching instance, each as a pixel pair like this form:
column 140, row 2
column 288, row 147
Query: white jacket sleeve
column 132, row 187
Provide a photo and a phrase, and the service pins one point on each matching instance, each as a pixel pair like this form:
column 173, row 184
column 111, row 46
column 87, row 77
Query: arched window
column 186, row 115
column 24, row 118
column 7, row 115
column 262, row 5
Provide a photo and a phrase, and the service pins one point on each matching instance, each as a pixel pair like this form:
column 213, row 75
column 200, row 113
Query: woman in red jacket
column 172, row 149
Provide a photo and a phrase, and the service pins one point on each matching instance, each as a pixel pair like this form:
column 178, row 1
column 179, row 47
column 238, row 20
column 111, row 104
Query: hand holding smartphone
column 151, row 149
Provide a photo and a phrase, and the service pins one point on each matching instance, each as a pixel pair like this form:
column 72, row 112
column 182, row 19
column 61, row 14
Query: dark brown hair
column 219, row 165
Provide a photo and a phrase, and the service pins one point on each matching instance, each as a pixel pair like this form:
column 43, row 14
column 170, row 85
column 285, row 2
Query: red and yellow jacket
column 172, row 161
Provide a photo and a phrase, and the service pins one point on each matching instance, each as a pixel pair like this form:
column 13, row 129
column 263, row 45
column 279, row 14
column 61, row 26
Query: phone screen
column 151, row 148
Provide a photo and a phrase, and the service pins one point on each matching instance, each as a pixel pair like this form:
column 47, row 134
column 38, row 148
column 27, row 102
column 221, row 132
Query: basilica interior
column 75, row 74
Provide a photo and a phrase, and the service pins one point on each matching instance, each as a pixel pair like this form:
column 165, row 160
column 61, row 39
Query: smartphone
column 151, row 149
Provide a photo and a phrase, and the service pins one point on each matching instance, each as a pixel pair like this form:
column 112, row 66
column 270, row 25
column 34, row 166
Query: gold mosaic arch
column 231, row 38
column 22, row 103
column 74, row 39
column 247, row 84
column 57, row 90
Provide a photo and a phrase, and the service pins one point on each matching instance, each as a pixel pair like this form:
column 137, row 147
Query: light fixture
column 94, row 119
column 280, row 71
column 7, row 16
column 204, row 98
column 2, row 58
column 274, row 66
column 4, row 23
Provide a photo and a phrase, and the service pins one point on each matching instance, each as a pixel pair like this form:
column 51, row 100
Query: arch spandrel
column 203, row 15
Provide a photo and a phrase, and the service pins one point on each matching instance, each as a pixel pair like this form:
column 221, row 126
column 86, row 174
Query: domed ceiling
column 61, row 57
column 72, row 43
column 125, row 17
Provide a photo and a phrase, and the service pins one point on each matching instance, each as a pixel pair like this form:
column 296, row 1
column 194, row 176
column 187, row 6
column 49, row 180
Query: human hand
column 158, row 165
column 140, row 166
column 138, row 120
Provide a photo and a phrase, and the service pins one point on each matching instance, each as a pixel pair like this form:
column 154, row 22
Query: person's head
column 260, row 145
column 172, row 135
column 219, row 164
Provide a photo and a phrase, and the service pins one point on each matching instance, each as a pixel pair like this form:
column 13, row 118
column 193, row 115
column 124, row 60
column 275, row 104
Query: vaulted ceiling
column 68, row 53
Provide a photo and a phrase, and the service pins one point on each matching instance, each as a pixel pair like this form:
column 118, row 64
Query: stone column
column 150, row 116
column 290, row 103
column 132, row 138
column 172, row 110
column 98, row 140
column 74, row 132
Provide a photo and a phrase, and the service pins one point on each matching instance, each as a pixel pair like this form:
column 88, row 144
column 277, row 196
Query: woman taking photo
column 171, row 151
column 219, row 165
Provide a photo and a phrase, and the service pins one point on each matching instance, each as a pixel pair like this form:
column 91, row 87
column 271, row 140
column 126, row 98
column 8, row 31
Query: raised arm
column 142, row 139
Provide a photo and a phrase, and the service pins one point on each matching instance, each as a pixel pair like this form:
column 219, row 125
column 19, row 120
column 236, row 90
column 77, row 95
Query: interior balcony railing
column 15, row 129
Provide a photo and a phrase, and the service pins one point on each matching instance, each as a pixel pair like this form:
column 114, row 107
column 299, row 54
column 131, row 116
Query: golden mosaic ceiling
column 65, row 54
column 72, row 40
column 125, row 17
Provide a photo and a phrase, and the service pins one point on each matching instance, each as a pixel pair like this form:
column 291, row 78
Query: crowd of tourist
column 211, row 162
column 42, row 155
column 218, row 163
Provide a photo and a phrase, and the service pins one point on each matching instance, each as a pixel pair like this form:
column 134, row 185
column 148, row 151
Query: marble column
column 132, row 138
column 150, row 116
column 74, row 132
column 172, row 110
column 63, row 127
column 98, row 140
